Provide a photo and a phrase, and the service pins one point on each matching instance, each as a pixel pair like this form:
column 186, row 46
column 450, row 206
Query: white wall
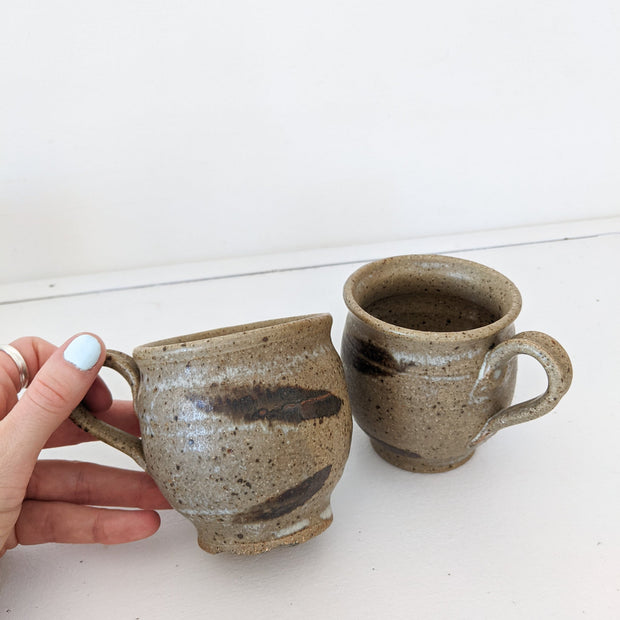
column 142, row 133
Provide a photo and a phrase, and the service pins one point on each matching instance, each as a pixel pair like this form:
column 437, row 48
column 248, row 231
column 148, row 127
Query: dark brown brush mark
column 395, row 450
column 286, row 502
column 370, row 359
column 290, row 405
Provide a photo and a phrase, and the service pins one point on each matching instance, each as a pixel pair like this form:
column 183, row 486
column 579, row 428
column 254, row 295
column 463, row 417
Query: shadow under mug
column 245, row 430
column 429, row 350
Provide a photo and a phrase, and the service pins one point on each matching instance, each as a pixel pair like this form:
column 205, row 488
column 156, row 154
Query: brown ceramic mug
column 245, row 430
column 429, row 351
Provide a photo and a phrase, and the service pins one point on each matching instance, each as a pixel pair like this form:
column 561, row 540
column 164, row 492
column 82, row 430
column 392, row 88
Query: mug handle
column 553, row 359
column 125, row 442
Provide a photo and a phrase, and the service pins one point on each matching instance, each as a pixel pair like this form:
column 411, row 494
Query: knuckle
column 82, row 490
column 47, row 394
column 99, row 529
column 140, row 492
column 49, row 526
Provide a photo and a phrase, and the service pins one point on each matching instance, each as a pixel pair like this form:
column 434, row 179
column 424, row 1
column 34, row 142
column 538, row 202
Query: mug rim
column 220, row 335
column 483, row 331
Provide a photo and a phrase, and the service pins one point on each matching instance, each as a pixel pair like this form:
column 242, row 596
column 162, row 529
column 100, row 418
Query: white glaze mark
column 327, row 514
column 296, row 527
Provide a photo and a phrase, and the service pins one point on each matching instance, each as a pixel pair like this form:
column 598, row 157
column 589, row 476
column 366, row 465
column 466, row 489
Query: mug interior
column 261, row 329
column 436, row 294
column 432, row 311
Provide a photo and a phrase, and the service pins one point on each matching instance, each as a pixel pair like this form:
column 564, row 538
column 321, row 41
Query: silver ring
column 20, row 362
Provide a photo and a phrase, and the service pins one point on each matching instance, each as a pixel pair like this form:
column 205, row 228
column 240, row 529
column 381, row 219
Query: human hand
column 54, row 501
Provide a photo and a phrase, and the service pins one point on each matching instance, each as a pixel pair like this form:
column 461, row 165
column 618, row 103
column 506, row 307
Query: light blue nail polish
column 83, row 352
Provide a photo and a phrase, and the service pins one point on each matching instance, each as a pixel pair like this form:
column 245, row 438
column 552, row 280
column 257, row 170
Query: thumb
column 57, row 388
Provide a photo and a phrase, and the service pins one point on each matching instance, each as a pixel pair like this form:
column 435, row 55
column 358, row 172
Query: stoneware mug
column 429, row 351
column 245, row 430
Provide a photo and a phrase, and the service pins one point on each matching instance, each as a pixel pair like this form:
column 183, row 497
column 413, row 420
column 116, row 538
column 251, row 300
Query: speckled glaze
column 245, row 430
column 429, row 350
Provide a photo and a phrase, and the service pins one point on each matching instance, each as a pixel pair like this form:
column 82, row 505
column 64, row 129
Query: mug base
column 402, row 460
column 240, row 547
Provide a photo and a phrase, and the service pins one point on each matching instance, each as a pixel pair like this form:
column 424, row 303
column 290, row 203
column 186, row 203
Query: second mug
column 429, row 351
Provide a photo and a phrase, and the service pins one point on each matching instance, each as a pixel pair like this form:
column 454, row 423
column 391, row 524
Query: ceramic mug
column 245, row 430
column 429, row 350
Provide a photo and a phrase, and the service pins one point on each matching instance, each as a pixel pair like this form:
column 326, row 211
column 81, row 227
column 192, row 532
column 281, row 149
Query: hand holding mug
column 54, row 501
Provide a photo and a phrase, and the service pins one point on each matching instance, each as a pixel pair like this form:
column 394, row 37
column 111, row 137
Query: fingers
column 98, row 397
column 55, row 491
column 42, row 522
column 35, row 352
column 98, row 485
column 57, row 388
column 121, row 414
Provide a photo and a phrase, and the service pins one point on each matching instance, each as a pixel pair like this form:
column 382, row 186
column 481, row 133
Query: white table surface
column 528, row 528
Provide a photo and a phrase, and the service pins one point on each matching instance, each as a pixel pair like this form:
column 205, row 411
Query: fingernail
column 83, row 352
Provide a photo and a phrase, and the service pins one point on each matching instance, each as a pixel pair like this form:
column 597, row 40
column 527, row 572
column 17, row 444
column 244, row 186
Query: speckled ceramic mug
column 245, row 430
column 429, row 351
